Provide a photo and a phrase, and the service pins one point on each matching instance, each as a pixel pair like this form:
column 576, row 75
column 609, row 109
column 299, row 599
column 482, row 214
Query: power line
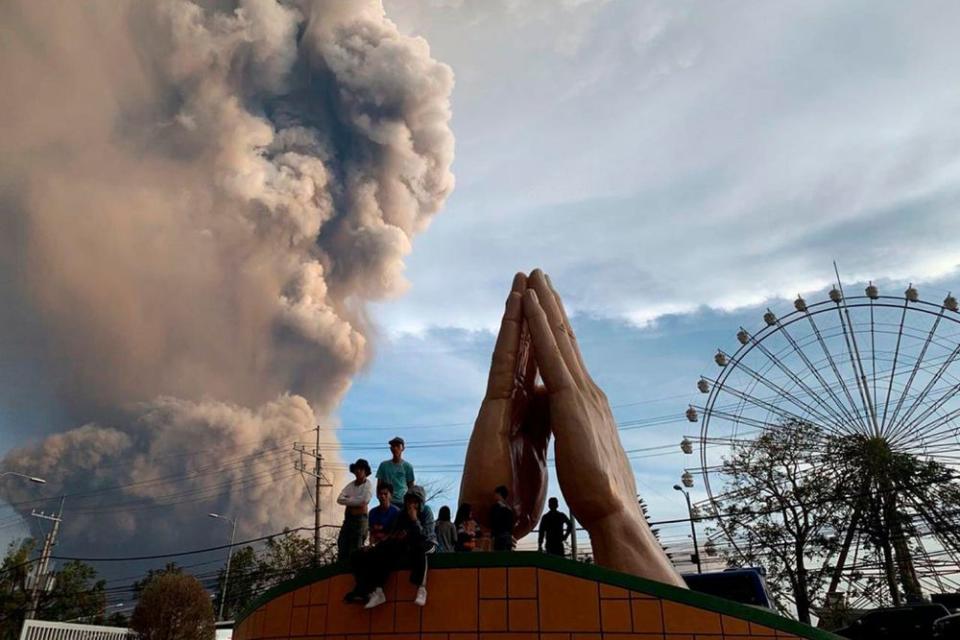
column 183, row 553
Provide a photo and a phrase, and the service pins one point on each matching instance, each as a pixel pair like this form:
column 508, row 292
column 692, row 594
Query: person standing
column 383, row 515
column 502, row 519
column 466, row 528
column 446, row 531
column 397, row 471
column 355, row 497
column 555, row 527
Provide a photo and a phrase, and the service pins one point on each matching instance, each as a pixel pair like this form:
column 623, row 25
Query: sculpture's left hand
column 508, row 445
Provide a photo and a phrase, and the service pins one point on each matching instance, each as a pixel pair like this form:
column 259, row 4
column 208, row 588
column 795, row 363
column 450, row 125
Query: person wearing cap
column 409, row 541
column 397, row 471
column 355, row 497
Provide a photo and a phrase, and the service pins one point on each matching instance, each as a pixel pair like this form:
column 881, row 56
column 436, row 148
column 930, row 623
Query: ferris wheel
column 871, row 383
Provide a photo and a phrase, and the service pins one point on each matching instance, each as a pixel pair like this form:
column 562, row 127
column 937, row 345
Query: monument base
column 508, row 596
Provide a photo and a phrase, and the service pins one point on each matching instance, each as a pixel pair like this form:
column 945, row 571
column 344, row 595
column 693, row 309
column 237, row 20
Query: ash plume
column 197, row 199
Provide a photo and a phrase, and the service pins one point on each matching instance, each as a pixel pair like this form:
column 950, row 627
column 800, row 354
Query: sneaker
column 421, row 598
column 377, row 598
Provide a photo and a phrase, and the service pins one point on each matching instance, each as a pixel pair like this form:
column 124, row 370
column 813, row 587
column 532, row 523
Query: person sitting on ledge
column 502, row 519
column 383, row 515
column 410, row 540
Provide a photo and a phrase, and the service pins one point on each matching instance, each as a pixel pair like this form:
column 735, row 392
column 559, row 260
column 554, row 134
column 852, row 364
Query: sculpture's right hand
column 593, row 471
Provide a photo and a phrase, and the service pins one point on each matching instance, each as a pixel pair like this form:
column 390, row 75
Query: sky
column 676, row 167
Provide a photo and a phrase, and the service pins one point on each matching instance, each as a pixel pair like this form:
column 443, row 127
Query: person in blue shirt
column 408, row 543
column 381, row 517
column 397, row 471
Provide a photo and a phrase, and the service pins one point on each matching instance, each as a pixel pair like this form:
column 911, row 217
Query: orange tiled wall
column 516, row 603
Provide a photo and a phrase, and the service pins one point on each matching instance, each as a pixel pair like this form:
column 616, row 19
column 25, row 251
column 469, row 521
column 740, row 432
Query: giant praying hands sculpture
column 510, row 437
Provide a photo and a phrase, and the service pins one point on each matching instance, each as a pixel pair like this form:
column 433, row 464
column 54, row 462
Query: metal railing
column 44, row 630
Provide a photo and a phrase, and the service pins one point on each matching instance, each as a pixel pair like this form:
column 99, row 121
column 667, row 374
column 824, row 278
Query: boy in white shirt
column 355, row 497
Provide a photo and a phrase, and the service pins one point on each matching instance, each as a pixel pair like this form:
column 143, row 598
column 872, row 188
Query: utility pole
column 40, row 577
column 320, row 481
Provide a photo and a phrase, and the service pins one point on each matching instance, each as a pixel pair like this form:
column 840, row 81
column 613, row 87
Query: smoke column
column 197, row 199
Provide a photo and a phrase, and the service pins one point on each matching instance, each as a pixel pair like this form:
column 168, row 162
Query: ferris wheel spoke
column 922, row 397
column 833, row 365
column 931, row 565
column 873, row 357
column 833, row 418
column 913, row 373
column 816, row 373
column 839, row 424
column 763, row 404
column 937, row 428
column 942, row 400
column 934, row 433
column 737, row 419
column 844, row 550
column 850, row 339
column 893, row 369
column 949, row 537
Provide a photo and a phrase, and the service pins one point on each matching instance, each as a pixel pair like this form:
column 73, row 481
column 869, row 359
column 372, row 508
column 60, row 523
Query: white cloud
column 682, row 155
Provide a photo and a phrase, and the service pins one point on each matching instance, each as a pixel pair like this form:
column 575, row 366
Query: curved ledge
column 535, row 594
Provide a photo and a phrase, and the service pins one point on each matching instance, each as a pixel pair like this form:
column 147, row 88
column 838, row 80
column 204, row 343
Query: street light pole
column 23, row 475
column 693, row 529
column 226, row 575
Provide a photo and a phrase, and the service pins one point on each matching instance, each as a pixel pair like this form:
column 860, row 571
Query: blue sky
column 676, row 167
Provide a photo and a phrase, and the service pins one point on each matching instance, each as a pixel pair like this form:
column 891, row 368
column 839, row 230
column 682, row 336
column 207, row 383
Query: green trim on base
column 570, row 568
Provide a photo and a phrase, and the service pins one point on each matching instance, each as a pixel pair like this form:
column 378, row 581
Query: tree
column 173, row 606
column 140, row 585
column 243, row 584
column 284, row 556
column 895, row 491
column 76, row 592
column 781, row 505
column 76, row 595
column 654, row 530
column 14, row 596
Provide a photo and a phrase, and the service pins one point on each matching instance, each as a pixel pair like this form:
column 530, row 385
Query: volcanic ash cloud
column 197, row 201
